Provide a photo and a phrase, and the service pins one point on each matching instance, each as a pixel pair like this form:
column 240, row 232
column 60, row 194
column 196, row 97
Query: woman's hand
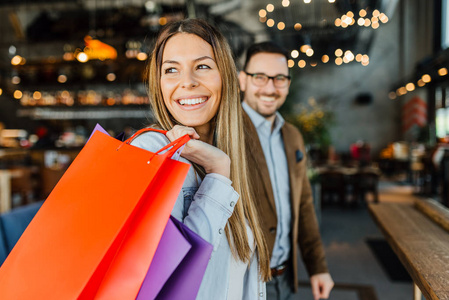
column 212, row 159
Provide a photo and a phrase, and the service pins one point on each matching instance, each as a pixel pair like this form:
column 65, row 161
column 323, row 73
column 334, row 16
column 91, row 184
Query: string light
column 392, row 95
column 410, row 87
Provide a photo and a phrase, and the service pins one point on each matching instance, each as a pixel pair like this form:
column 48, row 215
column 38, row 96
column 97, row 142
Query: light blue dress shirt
column 274, row 151
column 205, row 207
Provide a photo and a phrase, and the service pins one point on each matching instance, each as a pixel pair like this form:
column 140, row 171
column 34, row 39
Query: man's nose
column 269, row 87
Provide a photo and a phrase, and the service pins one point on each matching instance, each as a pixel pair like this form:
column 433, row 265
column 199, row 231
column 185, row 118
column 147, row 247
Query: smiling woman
column 193, row 90
column 190, row 81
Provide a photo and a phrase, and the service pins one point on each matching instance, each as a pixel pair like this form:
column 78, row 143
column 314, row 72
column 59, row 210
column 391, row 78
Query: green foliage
column 314, row 122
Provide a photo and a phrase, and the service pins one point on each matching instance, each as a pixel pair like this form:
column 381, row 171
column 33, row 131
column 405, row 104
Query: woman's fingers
column 178, row 131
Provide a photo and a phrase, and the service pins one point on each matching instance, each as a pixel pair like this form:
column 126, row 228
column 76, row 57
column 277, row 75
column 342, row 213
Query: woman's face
column 190, row 80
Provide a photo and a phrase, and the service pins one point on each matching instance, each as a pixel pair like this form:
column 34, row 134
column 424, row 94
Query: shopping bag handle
column 172, row 147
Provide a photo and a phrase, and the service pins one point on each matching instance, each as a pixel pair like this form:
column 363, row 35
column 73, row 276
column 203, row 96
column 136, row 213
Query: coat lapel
column 257, row 155
column 291, row 153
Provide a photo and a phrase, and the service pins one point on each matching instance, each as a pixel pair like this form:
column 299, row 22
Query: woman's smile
column 192, row 101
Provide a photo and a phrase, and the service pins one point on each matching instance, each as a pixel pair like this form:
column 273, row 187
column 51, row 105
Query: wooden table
column 420, row 243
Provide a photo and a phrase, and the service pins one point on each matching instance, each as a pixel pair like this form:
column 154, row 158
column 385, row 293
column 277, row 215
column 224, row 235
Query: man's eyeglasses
column 261, row 79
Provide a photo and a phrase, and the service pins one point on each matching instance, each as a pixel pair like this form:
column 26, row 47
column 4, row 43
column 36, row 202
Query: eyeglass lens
column 262, row 79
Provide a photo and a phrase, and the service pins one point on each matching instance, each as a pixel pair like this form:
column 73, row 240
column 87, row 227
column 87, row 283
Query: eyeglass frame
column 268, row 78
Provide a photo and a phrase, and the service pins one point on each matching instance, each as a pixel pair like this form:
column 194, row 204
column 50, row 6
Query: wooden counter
column 420, row 243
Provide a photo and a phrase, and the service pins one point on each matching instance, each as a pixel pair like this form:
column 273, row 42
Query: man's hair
column 264, row 47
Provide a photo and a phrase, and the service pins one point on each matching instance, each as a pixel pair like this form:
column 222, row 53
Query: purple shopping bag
column 172, row 248
column 185, row 280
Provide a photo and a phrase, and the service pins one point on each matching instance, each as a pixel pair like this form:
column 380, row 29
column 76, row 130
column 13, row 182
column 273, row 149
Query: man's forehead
column 264, row 62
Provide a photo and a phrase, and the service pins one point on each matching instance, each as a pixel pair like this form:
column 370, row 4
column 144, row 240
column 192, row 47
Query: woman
column 193, row 89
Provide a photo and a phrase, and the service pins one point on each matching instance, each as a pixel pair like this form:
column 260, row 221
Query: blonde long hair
column 228, row 133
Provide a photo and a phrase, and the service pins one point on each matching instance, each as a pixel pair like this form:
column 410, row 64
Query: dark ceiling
column 54, row 26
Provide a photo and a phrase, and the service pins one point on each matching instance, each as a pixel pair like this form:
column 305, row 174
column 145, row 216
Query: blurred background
column 369, row 85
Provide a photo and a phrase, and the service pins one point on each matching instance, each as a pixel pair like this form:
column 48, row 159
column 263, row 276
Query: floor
column 354, row 268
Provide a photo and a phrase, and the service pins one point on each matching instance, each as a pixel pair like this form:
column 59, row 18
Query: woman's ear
column 242, row 81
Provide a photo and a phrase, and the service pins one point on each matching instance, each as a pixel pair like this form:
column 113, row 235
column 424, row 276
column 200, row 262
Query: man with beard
column 281, row 189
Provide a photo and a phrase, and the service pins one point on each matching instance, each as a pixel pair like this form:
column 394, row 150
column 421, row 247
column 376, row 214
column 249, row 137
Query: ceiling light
column 426, row 78
column 16, row 60
column 15, row 79
column 270, row 7
column 304, row 48
column 442, row 72
column 142, row 56
column 62, row 78
column 285, row 3
column 111, row 77
column 17, row 94
column 82, row 57
column 410, row 87
column 37, row 95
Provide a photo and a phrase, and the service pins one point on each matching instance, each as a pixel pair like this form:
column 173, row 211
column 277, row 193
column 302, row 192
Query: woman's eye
column 203, row 67
column 170, row 70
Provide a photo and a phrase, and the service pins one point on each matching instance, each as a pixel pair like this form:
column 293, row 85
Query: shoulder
column 151, row 141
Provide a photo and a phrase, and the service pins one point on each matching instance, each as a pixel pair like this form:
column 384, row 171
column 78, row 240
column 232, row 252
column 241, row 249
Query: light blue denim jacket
column 205, row 207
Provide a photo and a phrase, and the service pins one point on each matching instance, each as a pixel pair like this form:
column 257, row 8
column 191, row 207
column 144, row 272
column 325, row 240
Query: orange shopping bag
column 97, row 232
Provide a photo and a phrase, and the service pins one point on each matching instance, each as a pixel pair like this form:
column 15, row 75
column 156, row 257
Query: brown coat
column 304, row 230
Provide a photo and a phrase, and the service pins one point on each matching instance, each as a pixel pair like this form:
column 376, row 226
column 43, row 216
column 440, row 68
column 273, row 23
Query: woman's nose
column 188, row 80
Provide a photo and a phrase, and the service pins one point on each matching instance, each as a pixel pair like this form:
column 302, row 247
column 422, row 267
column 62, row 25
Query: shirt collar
column 259, row 120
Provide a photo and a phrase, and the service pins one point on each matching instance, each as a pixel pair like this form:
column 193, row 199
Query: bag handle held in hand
column 172, row 147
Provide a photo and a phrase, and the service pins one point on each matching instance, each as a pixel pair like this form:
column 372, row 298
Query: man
column 280, row 184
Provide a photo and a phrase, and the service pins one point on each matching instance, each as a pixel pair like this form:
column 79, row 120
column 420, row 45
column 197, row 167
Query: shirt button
column 273, row 230
column 220, row 231
column 232, row 204
column 261, row 294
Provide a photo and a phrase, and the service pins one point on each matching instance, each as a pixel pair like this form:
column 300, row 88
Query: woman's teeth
column 192, row 101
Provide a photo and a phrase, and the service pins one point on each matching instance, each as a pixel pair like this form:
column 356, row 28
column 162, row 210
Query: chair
column 332, row 187
column 367, row 182
column 3, row 250
column 24, row 183
column 13, row 224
